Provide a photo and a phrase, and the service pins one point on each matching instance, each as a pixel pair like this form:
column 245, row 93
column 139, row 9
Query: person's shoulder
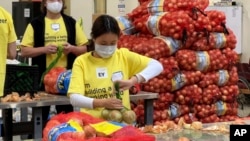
column 68, row 17
column 123, row 50
column 3, row 10
column 83, row 56
column 36, row 19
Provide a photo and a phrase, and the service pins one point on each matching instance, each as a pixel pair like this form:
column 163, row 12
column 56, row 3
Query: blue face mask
column 105, row 51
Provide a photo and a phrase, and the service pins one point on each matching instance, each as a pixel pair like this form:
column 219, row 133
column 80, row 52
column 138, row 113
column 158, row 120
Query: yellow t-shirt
column 93, row 76
column 7, row 35
column 56, row 34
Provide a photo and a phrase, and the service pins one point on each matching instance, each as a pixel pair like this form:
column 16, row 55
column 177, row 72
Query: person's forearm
column 11, row 50
column 32, row 52
column 136, row 80
column 153, row 69
column 78, row 50
column 98, row 103
column 78, row 100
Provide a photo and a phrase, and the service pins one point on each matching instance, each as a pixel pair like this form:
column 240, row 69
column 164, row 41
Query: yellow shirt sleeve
column 136, row 61
column 28, row 38
column 77, row 77
column 12, row 33
column 81, row 38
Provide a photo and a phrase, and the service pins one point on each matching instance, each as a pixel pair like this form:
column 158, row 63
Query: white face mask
column 54, row 7
column 105, row 51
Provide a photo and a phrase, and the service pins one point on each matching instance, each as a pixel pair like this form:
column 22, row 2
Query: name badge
column 55, row 26
column 117, row 76
column 101, row 73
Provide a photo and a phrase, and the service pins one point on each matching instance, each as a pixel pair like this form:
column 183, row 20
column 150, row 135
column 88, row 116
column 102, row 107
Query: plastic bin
column 21, row 79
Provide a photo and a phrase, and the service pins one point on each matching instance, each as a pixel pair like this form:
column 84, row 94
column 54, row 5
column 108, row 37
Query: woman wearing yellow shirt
column 94, row 73
column 43, row 36
column 7, row 44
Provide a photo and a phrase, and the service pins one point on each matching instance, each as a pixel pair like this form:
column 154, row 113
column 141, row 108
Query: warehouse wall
column 81, row 8
column 7, row 4
column 246, row 30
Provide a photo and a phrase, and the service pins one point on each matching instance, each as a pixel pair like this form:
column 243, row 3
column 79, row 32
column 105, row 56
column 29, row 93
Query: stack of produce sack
column 199, row 81
column 83, row 127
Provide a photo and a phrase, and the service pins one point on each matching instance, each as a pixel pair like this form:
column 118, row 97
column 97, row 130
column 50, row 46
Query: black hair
column 104, row 24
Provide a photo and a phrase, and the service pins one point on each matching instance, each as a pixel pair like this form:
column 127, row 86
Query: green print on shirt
column 99, row 93
column 55, row 39
column 96, row 91
column 3, row 20
column 61, row 38
column 102, row 96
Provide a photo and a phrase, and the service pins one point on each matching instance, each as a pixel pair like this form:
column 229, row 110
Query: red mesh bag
column 130, row 133
column 142, row 1
column 229, row 93
column 49, row 125
column 215, row 41
column 72, row 136
column 204, row 110
column 226, row 108
column 189, row 95
column 156, row 48
column 231, row 56
column 134, row 43
column 210, row 94
column 139, row 11
column 50, row 80
column 204, row 61
column 170, row 67
column 81, row 118
column 201, row 4
column 200, row 20
column 220, row 78
column 100, row 139
column 158, row 85
column 177, row 25
column 161, row 84
column 157, row 6
column 217, row 20
column 191, row 77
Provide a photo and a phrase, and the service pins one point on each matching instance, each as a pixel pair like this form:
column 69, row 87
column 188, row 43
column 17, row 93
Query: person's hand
column 67, row 48
column 125, row 84
column 50, row 49
column 113, row 103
